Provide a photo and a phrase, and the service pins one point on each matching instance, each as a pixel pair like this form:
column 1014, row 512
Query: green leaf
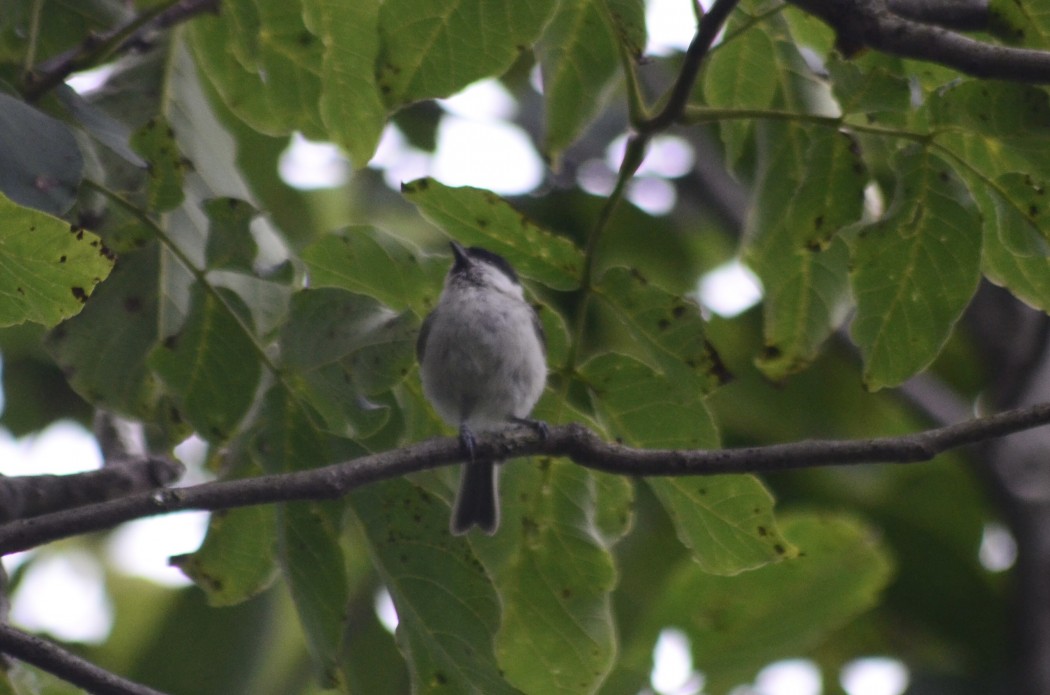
column 739, row 624
column 448, row 610
column 555, row 580
column 49, row 267
column 434, row 48
column 738, row 75
column 265, row 64
column 640, row 407
column 1025, row 23
column 370, row 261
column 914, row 270
column 666, row 331
column 166, row 168
column 310, row 553
column 1016, row 208
column 800, row 205
column 312, row 561
column 725, row 521
column 477, row 216
column 995, row 127
column 103, row 350
column 211, row 365
column 347, row 348
column 40, row 162
column 236, row 560
column 230, row 241
column 579, row 60
column 875, row 90
column 351, row 105
column 628, row 23
column 1026, row 275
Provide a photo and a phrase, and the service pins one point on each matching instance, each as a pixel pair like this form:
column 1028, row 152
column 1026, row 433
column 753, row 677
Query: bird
column 483, row 365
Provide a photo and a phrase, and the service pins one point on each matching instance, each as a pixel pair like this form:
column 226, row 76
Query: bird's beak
column 460, row 254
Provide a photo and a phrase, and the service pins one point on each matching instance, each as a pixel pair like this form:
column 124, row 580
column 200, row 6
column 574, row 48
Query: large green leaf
column 448, row 611
column 166, row 169
column 476, row 216
column 40, row 163
column 211, row 365
column 579, row 58
column 346, row 349
column 311, row 558
column 738, row 75
column 739, row 624
column 434, row 48
column 725, row 521
column 666, row 331
column 104, row 349
column 50, row 268
column 555, row 573
column 373, row 262
column 309, row 534
column 237, row 559
column 1026, row 275
column 995, row 127
column 351, row 106
column 265, row 64
column 1026, row 23
column 914, row 270
column 799, row 207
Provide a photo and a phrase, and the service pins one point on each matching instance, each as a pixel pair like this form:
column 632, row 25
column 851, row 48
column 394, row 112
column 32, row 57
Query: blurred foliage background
column 891, row 213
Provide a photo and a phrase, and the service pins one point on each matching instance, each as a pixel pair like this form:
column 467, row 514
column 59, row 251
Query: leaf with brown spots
column 49, row 269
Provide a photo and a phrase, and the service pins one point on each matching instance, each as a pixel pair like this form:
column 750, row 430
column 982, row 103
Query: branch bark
column 66, row 665
column 27, row 496
column 96, row 48
column 574, row 441
column 864, row 24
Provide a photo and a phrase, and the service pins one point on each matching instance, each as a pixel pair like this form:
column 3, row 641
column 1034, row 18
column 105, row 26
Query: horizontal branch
column 49, row 657
column 574, row 441
column 97, row 48
column 26, row 496
column 861, row 24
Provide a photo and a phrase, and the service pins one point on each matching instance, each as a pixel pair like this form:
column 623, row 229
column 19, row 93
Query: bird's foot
column 541, row 427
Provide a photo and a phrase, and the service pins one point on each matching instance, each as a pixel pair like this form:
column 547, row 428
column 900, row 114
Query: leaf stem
column 706, row 114
column 199, row 276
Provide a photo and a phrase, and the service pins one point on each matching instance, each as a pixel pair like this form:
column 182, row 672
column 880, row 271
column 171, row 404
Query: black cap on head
column 465, row 257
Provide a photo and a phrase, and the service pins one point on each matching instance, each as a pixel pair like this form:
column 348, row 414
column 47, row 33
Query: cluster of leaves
column 883, row 189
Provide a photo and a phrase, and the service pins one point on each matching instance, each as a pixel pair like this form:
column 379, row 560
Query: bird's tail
column 477, row 503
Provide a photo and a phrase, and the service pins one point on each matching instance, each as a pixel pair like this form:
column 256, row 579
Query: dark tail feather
column 476, row 503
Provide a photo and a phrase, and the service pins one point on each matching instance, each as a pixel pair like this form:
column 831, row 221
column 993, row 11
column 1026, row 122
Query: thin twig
column 574, row 441
column 67, row 666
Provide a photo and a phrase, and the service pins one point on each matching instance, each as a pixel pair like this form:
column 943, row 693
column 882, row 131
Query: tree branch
column 67, row 666
column 574, row 441
column 706, row 32
column 863, row 23
column 27, row 496
column 961, row 15
column 97, row 48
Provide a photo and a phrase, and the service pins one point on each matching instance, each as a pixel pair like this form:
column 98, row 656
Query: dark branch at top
column 961, row 15
column 887, row 27
column 573, row 441
column 97, row 48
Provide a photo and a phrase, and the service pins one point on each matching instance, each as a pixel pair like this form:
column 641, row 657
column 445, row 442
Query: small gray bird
column 482, row 358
